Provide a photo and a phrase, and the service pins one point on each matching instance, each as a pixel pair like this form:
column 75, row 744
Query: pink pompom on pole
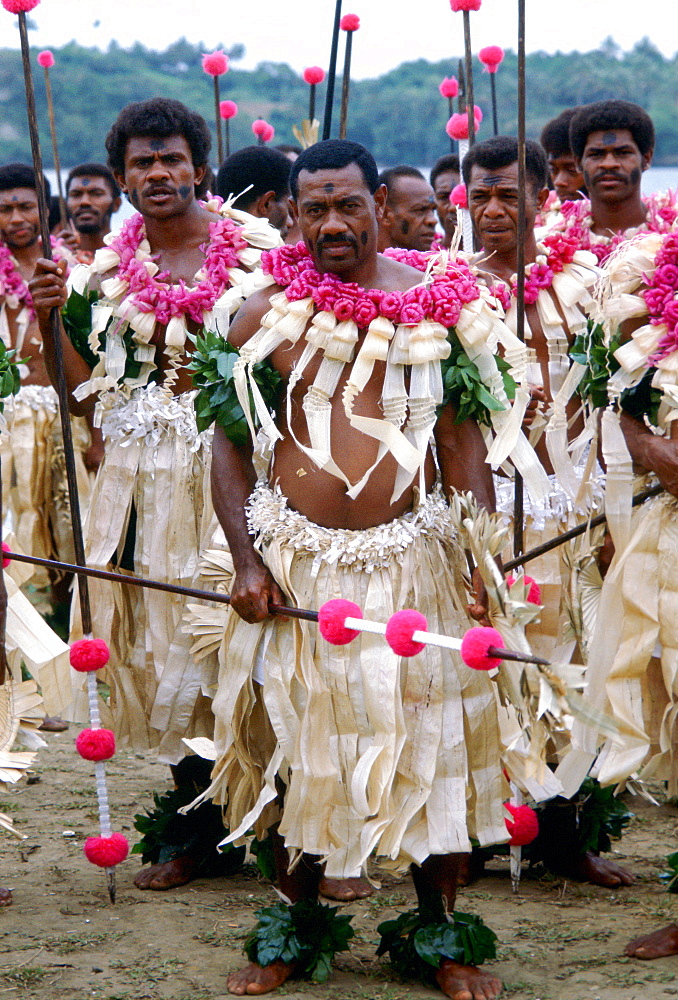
column 349, row 22
column 228, row 109
column 106, row 852
column 461, row 5
column 5, row 560
column 263, row 131
column 524, row 827
column 458, row 196
column 95, row 744
column 314, row 75
column 457, row 126
column 215, row 63
column 449, row 87
column 46, row 59
column 19, row 6
column 331, row 621
column 89, row 654
column 400, row 629
column 476, row 646
column 491, row 57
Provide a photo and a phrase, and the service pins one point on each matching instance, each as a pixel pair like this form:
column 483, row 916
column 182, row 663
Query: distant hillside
column 399, row 116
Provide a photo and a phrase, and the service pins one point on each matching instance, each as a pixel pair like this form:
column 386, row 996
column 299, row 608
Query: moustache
column 158, row 189
column 609, row 177
column 326, row 241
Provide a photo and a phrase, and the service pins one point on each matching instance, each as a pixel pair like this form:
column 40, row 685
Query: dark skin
column 334, row 208
column 90, row 204
column 566, row 177
column 612, row 165
column 5, row 897
column 447, row 214
column 409, row 218
column 276, row 209
column 659, row 944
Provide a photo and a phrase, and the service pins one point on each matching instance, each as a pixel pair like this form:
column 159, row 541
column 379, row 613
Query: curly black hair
column 20, row 175
column 608, row 115
column 160, row 117
column 335, row 154
column 555, row 135
column 502, row 151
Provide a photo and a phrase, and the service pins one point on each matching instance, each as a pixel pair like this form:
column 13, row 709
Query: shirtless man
column 147, row 508
column 92, row 197
column 261, row 178
column 445, row 176
column 490, row 172
column 566, row 177
column 409, row 218
column 338, row 203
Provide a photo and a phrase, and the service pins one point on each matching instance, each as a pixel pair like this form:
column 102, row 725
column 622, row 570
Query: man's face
column 19, row 217
column 410, row 214
column 159, row 176
column 566, row 177
column 612, row 165
column 493, row 203
column 278, row 214
column 338, row 217
column 91, row 203
column 442, row 188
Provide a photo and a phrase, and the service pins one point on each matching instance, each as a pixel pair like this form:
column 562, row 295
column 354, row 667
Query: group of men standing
column 338, row 480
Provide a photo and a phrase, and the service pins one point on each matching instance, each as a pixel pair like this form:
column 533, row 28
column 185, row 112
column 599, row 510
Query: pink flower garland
column 12, row 281
column 157, row 294
column 660, row 300
column 662, row 213
column 441, row 302
column 561, row 249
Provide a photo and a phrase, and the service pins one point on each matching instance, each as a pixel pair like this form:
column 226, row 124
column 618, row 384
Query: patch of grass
column 559, row 933
column 526, row 991
column 218, row 940
column 151, row 973
column 25, row 978
column 68, row 943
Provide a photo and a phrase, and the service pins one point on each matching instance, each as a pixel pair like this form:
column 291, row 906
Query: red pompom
column 524, row 827
column 449, row 87
column 399, row 631
column 534, row 592
column 95, row 744
column 45, row 59
column 458, row 5
column 19, row 6
column 89, row 654
column 349, row 22
column 314, row 74
column 331, row 618
column 475, row 646
column 5, row 561
column 261, row 129
column 457, row 126
column 458, row 196
column 228, row 109
column 490, row 57
column 105, row 852
column 215, row 63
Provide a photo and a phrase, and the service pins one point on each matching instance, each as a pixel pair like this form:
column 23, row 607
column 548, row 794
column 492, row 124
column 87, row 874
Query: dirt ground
column 61, row 937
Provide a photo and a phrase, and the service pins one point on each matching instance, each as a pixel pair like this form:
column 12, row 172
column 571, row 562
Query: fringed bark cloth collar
column 149, row 504
column 379, row 755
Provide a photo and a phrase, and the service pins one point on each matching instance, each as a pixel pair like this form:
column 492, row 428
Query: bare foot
column 50, row 724
column 254, row 980
column 5, row 897
column 465, row 982
column 657, row 945
column 599, row 871
column 168, row 875
column 345, row 889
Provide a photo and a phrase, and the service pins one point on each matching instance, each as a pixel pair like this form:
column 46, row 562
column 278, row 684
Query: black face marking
column 364, row 238
column 329, row 187
column 157, row 144
column 635, row 176
column 609, row 138
column 404, row 227
column 85, row 181
column 489, row 181
column 134, row 196
column 184, row 191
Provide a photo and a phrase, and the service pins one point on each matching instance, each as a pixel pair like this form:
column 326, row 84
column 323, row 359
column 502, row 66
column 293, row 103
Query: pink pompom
column 215, row 63
column 457, row 126
column 5, row 561
column 491, row 56
column 524, row 827
column 458, row 5
column 314, row 74
column 449, row 87
column 228, row 109
column 263, row 130
column 331, row 618
column 95, row 744
column 458, row 196
column 349, row 22
column 19, row 6
column 399, row 631
column 45, row 59
column 89, row 654
column 475, row 646
column 534, row 592
column 105, row 852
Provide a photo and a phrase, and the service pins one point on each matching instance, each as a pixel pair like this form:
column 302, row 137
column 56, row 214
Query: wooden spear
column 468, row 58
column 46, row 60
column 332, row 72
column 215, row 64
column 350, row 24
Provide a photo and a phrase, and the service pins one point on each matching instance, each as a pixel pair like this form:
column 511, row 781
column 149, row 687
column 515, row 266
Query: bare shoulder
column 248, row 318
column 395, row 276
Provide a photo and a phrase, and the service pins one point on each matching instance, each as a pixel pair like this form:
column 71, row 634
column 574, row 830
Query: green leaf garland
column 465, row 389
column 10, row 379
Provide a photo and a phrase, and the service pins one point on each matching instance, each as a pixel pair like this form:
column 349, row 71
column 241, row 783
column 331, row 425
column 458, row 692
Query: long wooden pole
column 55, row 150
column 468, row 56
column 332, row 72
column 346, row 85
column 518, row 508
column 217, row 113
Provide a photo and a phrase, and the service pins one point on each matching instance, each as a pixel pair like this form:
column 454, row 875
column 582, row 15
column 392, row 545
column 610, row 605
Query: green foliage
column 76, row 316
column 671, row 876
column 589, row 349
column 386, row 113
column 10, row 380
column 464, row 388
column 307, row 934
column 417, row 941
column 601, row 815
column 263, row 852
column 167, row 834
column 212, row 364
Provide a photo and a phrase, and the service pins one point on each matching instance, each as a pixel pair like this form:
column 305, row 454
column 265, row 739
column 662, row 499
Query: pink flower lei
column 12, row 282
column 559, row 249
column 440, row 302
column 660, row 300
column 157, row 294
column 662, row 213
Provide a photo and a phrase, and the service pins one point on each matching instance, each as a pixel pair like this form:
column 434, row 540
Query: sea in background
column 654, row 179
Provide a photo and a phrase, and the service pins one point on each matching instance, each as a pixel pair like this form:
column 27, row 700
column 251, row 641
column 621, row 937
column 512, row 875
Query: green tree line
column 399, row 116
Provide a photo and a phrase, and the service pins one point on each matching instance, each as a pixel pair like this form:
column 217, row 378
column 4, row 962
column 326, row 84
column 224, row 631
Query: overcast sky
column 298, row 31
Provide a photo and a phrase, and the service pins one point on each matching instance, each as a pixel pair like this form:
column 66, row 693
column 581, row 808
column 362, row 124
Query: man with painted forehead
column 613, row 144
column 176, row 270
column 335, row 754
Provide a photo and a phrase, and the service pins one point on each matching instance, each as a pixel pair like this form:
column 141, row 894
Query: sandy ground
column 61, row 937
